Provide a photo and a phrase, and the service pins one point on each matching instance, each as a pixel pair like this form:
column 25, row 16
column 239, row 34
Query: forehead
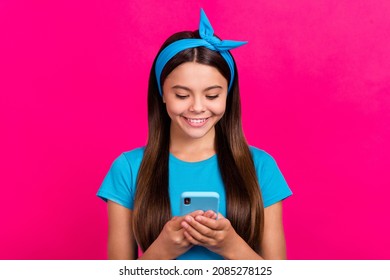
column 194, row 75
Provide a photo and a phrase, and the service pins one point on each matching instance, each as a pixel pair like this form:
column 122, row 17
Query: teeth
column 197, row 120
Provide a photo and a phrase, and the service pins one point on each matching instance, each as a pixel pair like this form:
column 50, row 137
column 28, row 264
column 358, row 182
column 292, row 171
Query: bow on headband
column 207, row 40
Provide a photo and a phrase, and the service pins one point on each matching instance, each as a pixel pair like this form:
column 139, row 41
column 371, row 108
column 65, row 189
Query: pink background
column 315, row 84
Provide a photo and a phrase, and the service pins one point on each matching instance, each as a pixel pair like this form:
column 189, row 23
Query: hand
column 171, row 241
column 204, row 230
column 210, row 214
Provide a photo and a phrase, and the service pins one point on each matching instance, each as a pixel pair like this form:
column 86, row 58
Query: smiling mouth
column 196, row 120
column 199, row 122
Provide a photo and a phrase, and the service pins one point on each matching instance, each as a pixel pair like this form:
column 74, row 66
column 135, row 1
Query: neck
column 192, row 149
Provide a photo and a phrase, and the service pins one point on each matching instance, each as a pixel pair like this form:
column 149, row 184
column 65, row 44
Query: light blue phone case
column 199, row 201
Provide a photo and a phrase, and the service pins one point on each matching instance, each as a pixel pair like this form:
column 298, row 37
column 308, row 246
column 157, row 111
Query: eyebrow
column 188, row 89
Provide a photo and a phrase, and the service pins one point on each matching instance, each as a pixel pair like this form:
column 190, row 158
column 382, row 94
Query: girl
column 195, row 143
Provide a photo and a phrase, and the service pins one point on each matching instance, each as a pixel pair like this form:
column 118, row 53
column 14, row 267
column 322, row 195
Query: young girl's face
column 195, row 96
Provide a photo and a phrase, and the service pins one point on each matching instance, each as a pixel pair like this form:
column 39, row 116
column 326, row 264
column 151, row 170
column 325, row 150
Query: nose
column 197, row 105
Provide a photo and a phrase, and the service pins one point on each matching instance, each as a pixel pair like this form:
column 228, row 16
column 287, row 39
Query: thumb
column 220, row 216
column 175, row 223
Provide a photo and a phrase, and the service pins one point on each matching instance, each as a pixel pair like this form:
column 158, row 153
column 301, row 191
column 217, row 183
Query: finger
column 184, row 241
column 210, row 214
column 195, row 237
column 196, row 213
column 176, row 221
column 218, row 224
column 200, row 228
column 190, row 239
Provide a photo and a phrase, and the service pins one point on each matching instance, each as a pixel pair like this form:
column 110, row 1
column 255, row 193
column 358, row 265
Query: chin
column 196, row 134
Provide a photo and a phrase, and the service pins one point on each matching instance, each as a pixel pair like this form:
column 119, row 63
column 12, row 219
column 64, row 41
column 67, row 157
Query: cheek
column 174, row 109
column 218, row 109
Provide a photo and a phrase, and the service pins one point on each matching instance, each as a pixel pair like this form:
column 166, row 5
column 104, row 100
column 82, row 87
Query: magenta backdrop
column 315, row 87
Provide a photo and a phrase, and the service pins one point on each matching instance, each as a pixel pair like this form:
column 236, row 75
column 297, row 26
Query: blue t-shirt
column 119, row 185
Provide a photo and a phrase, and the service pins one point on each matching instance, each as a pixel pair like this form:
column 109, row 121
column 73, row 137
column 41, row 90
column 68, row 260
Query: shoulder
column 261, row 158
column 119, row 183
column 133, row 156
column 128, row 161
column 273, row 185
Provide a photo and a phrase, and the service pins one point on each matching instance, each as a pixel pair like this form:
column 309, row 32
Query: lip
column 197, row 123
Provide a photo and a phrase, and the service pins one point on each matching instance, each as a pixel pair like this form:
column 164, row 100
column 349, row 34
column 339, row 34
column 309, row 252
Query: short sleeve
column 273, row 185
column 116, row 186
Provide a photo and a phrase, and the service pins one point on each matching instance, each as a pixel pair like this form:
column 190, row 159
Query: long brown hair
column 243, row 198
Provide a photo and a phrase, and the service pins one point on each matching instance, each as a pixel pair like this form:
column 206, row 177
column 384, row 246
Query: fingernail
column 188, row 219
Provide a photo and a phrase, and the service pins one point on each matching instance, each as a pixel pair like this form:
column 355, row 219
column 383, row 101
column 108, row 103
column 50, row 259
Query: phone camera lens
column 187, row 200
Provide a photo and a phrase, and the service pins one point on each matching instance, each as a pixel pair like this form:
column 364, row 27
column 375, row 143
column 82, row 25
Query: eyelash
column 181, row 96
column 210, row 97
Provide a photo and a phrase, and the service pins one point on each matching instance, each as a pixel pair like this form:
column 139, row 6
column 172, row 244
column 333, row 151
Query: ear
column 163, row 99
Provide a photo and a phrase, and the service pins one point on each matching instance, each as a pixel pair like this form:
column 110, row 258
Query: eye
column 180, row 96
column 212, row 97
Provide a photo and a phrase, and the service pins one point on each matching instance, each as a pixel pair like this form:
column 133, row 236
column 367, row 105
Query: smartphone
column 192, row 201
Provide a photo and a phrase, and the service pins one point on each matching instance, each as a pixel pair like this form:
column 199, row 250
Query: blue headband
column 207, row 40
